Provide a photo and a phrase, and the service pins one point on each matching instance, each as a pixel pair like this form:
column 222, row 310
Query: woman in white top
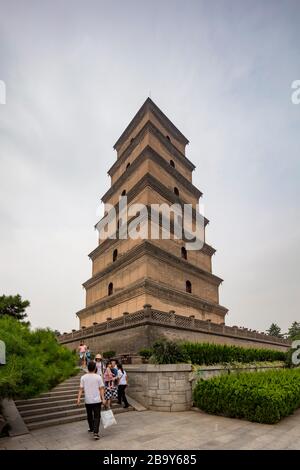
column 122, row 384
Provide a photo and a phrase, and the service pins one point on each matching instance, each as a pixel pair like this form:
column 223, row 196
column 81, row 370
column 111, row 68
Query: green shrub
column 108, row 354
column 209, row 353
column 168, row 352
column 36, row 362
column 146, row 353
column 264, row 397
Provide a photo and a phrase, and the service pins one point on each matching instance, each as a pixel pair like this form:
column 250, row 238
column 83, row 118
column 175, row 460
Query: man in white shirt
column 93, row 387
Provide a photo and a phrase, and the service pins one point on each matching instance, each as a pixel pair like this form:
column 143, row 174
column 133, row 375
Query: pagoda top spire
column 152, row 109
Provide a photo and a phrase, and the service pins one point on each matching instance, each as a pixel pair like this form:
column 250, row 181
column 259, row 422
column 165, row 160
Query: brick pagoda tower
column 151, row 167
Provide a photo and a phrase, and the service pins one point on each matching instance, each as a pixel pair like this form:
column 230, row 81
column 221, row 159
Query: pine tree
column 275, row 330
column 294, row 330
column 14, row 306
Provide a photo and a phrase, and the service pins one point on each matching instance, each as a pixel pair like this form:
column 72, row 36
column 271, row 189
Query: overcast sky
column 76, row 73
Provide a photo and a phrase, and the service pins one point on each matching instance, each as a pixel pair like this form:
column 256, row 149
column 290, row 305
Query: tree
column 275, row 330
column 294, row 330
column 35, row 361
column 14, row 306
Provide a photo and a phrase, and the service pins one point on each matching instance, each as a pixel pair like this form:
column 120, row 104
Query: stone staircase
column 57, row 406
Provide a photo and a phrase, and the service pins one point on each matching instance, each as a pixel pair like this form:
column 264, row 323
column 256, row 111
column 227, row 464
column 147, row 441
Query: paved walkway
column 153, row 430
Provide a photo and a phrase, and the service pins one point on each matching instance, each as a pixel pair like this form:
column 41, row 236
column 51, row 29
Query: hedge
column 209, row 353
column 172, row 352
column 108, row 354
column 36, row 362
column 168, row 352
column 264, row 397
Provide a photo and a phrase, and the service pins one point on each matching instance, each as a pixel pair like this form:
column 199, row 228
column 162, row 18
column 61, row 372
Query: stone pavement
column 153, row 430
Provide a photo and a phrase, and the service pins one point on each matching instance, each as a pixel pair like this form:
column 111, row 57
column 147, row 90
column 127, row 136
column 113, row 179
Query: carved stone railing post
column 192, row 318
column 107, row 322
column 147, row 310
column 125, row 317
column 172, row 319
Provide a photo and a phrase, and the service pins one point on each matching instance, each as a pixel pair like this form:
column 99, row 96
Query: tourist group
column 102, row 383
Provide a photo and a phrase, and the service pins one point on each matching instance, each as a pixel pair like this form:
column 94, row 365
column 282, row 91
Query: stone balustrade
column 148, row 315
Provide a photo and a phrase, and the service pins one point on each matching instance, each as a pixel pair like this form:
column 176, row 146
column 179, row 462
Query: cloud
column 76, row 75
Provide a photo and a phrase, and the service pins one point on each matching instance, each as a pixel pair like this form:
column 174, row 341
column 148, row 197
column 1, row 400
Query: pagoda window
column 188, row 287
column 110, row 288
column 128, row 165
column 183, row 253
column 115, row 255
column 176, row 191
column 172, row 163
column 168, row 138
column 123, row 193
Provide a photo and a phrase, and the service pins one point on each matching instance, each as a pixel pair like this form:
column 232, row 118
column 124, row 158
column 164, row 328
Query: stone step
column 55, row 422
column 58, row 393
column 75, row 377
column 44, row 408
column 55, row 397
column 51, row 414
column 44, row 403
column 58, row 406
column 72, row 380
column 68, row 419
column 66, row 388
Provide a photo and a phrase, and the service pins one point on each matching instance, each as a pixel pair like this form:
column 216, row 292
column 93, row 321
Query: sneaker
column 89, row 430
column 96, row 437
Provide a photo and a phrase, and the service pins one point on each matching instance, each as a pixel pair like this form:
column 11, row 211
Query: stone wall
column 168, row 387
column 177, row 334
column 208, row 372
column 126, row 341
column 161, row 387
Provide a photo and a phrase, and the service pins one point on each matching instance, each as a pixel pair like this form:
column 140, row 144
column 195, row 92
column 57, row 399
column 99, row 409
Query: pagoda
column 129, row 273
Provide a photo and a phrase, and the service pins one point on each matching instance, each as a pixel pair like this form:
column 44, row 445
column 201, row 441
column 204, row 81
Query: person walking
column 92, row 385
column 88, row 355
column 114, row 369
column 100, row 365
column 82, row 350
column 123, row 382
column 109, row 381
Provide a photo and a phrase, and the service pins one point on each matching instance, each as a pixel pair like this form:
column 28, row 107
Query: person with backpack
column 123, row 382
column 88, row 355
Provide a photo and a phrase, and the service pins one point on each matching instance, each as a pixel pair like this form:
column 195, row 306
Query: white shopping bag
column 108, row 418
